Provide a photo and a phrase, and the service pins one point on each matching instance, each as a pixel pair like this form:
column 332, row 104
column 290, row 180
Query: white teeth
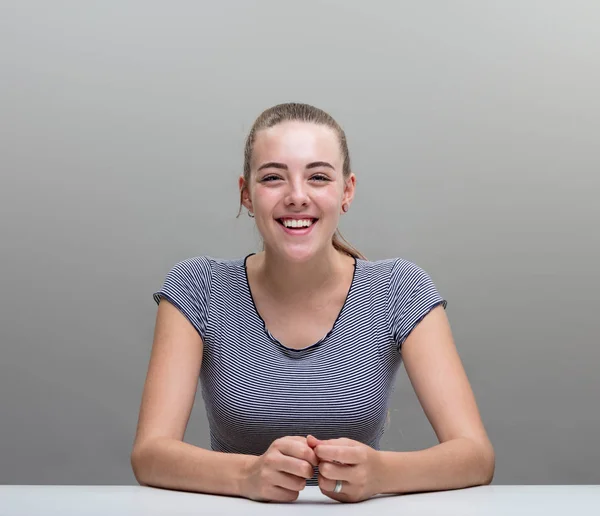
column 293, row 223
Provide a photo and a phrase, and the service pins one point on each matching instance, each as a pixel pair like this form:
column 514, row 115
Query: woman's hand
column 354, row 463
column 279, row 474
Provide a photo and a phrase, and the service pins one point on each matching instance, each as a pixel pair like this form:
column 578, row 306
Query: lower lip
column 298, row 232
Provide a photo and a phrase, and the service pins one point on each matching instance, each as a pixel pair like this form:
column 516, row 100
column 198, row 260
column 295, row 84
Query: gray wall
column 473, row 126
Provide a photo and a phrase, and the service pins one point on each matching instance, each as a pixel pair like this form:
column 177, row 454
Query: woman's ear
column 245, row 194
column 349, row 188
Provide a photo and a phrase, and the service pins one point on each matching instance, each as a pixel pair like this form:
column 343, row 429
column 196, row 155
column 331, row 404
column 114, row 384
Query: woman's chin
column 298, row 253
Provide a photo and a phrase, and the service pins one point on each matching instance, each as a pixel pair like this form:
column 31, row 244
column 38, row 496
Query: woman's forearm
column 173, row 464
column 453, row 464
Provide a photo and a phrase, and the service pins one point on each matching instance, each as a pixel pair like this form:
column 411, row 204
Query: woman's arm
column 465, row 456
column 159, row 457
column 173, row 464
column 454, row 464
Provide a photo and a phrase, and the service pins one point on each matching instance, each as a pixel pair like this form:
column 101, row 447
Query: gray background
column 473, row 128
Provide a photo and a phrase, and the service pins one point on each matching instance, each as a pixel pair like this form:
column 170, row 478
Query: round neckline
column 264, row 324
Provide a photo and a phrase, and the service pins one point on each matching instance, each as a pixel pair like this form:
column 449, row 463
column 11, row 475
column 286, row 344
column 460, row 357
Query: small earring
column 344, row 207
column 250, row 214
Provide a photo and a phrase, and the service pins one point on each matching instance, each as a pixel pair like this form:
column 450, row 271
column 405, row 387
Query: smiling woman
column 322, row 122
column 297, row 347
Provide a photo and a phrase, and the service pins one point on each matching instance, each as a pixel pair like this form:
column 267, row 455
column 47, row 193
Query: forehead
column 296, row 142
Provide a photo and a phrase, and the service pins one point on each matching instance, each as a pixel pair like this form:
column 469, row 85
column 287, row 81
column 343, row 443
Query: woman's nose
column 297, row 194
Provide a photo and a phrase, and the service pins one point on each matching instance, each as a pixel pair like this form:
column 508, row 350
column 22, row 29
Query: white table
column 576, row 500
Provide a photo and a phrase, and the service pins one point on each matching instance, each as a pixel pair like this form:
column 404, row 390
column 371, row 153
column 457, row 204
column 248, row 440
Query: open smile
column 297, row 226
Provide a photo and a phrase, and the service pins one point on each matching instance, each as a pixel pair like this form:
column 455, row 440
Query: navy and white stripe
column 256, row 389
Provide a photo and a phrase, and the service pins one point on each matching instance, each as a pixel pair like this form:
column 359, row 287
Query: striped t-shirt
column 256, row 389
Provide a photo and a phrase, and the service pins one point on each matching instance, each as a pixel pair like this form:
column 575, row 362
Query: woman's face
column 296, row 188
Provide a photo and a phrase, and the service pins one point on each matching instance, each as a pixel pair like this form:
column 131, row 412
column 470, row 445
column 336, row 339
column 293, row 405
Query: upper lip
column 296, row 217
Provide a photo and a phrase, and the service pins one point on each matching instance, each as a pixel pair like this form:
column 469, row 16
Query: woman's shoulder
column 396, row 271
column 395, row 262
column 203, row 268
column 201, row 274
column 205, row 261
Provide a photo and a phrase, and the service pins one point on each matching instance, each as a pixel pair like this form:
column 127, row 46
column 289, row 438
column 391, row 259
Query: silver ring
column 338, row 486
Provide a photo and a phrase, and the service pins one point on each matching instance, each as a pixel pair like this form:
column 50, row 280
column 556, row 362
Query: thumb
column 312, row 441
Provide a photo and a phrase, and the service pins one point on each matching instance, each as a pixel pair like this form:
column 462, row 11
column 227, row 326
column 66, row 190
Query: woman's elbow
column 488, row 463
column 137, row 466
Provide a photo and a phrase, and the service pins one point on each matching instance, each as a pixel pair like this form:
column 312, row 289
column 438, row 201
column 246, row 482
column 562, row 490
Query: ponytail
column 342, row 245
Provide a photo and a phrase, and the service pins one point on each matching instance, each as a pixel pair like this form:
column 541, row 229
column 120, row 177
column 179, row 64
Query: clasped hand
column 281, row 472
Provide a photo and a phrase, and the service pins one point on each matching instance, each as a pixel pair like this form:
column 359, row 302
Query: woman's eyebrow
column 272, row 164
column 283, row 166
column 316, row 164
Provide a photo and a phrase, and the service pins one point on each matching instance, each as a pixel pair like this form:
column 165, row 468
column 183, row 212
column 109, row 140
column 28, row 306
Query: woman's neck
column 295, row 283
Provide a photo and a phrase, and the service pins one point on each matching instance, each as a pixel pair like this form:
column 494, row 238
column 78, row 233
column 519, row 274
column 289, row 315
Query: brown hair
column 303, row 113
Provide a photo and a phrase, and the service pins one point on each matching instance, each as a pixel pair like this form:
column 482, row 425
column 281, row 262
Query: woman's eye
column 317, row 177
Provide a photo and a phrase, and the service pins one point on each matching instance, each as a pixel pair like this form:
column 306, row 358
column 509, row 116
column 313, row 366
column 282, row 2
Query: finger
column 328, row 485
column 336, row 471
column 294, row 466
column 312, row 441
column 341, row 441
column 299, row 438
column 297, row 449
column 280, row 494
column 339, row 454
column 287, row 481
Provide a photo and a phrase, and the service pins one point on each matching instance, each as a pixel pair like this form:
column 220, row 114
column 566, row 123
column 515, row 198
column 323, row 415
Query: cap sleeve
column 412, row 296
column 187, row 286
